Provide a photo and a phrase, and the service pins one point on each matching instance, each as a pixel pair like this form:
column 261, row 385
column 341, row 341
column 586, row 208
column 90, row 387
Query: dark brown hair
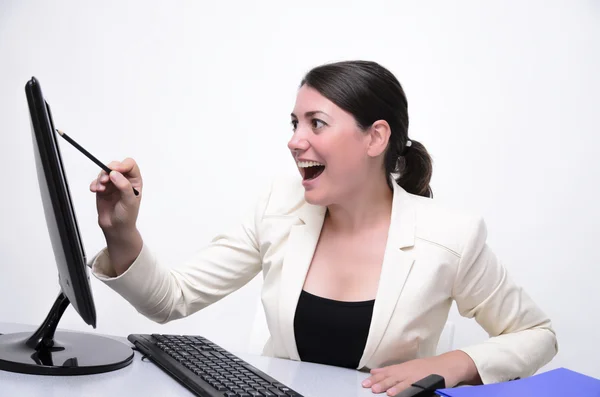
column 371, row 92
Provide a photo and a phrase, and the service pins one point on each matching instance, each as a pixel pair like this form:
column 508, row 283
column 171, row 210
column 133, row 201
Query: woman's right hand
column 117, row 205
column 118, row 209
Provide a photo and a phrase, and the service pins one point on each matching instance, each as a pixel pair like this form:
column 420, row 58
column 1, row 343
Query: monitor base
column 73, row 353
column 51, row 352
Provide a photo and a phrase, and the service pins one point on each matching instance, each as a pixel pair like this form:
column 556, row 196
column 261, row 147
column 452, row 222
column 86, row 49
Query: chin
column 314, row 197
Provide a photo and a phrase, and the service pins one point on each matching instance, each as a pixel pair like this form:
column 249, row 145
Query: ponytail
column 414, row 167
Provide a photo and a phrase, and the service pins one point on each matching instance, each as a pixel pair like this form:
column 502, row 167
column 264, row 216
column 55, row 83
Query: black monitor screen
column 61, row 221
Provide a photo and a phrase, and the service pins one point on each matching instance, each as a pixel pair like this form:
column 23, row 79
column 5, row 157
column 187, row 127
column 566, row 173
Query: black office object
column 89, row 155
column 207, row 369
column 425, row 387
column 47, row 351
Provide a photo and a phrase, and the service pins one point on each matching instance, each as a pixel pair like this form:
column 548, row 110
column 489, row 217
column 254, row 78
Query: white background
column 503, row 94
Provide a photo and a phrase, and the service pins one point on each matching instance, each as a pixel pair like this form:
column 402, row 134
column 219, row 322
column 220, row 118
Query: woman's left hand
column 456, row 367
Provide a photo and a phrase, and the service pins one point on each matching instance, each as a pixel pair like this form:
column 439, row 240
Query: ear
column 379, row 136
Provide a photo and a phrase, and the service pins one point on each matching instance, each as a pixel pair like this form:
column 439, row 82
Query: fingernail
column 366, row 383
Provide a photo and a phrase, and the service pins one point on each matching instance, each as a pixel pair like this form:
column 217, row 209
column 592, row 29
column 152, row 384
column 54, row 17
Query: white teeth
column 306, row 164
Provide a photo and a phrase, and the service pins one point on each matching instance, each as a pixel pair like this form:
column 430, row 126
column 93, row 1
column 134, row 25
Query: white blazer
column 433, row 256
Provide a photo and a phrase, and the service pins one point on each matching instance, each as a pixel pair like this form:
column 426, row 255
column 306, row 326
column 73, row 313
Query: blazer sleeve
column 163, row 294
column 521, row 336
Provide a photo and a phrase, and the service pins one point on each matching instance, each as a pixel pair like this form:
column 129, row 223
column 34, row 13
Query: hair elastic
column 406, row 147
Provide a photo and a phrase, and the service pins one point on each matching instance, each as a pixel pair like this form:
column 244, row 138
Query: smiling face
column 333, row 155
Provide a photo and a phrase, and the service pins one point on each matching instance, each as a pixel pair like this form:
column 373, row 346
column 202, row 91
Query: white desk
column 143, row 378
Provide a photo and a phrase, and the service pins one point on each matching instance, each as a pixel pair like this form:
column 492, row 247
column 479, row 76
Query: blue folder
column 559, row 382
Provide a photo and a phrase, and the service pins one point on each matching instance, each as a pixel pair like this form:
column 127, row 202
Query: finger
column 129, row 167
column 97, row 181
column 113, row 165
column 100, row 182
column 373, row 379
column 385, row 384
column 377, row 370
column 123, row 185
column 101, row 178
column 96, row 187
column 398, row 388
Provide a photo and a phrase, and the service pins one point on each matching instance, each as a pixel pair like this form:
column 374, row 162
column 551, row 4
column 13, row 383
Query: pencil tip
column 59, row 131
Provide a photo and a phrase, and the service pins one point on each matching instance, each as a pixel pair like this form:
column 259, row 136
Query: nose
column 298, row 144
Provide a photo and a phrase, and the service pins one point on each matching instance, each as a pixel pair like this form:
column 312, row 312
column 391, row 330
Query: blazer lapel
column 300, row 249
column 395, row 270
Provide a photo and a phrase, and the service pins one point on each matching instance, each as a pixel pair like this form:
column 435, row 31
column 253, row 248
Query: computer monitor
column 47, row 351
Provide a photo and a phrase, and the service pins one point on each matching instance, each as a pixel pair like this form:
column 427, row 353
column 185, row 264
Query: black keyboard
column 207, row 369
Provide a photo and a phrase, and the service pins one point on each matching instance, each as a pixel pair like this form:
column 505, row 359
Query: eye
column 294, row 124
column 316, row 123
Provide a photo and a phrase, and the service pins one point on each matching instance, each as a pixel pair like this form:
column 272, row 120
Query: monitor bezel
column 61, row 219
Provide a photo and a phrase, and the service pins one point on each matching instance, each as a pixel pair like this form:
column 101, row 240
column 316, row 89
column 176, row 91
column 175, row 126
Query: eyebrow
column 310, row 114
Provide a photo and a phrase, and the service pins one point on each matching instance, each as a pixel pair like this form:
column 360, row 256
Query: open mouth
column 312, row 172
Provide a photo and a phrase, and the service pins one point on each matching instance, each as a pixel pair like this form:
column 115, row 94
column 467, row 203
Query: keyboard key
column 276, row 392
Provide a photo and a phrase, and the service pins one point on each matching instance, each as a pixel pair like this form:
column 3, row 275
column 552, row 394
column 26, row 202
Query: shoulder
column 445, row 226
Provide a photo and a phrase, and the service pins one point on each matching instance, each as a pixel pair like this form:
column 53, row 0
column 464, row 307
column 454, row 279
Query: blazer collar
column 396, row 266
column 403, row 220
column 301, row 245
column 394, row 270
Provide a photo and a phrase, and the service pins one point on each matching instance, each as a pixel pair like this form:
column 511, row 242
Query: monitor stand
column 51, row 352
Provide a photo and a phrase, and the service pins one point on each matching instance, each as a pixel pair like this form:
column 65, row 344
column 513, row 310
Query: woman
column 360, row 265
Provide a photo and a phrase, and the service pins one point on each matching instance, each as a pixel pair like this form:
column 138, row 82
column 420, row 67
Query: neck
column 368, row 206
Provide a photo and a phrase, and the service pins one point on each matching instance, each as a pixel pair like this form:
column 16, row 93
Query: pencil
column 88, row 155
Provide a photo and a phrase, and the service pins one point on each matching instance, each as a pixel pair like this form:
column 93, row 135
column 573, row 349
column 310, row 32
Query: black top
column 331, row 332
